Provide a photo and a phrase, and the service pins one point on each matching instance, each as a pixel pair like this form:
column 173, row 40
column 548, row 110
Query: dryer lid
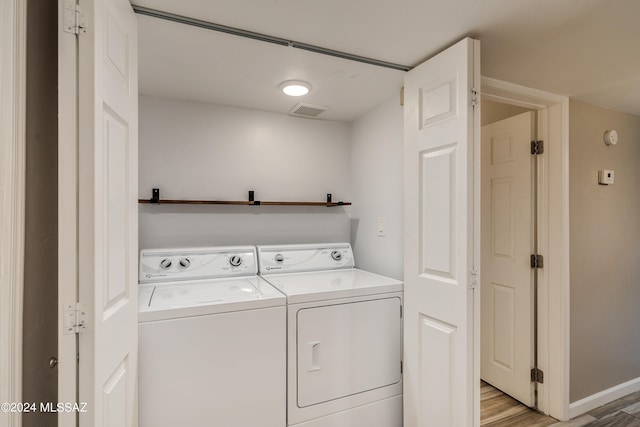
column 325, row 285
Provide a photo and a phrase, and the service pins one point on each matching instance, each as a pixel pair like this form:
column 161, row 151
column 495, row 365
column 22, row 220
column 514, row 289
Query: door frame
column 13, row 15
column 553, row 244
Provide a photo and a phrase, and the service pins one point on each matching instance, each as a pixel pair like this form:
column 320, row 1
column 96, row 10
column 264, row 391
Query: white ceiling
column 586, row 49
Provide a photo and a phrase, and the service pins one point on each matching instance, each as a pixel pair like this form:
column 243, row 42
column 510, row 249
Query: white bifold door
column 107, row 213
column 442, row 187
column 507, row 244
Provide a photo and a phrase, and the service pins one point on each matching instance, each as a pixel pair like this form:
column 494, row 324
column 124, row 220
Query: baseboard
column 602, row 398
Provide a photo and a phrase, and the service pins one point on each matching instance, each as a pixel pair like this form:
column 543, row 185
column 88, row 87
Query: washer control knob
column 279, row 257
column 336, row 255
column 184, row 263
column 165, row 264
column 235, row 260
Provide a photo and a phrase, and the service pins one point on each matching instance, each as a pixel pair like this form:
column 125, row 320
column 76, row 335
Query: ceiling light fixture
column 295, row 87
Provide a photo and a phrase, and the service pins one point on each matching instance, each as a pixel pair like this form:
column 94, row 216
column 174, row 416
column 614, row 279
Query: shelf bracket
column 155, row 196
column 252, row 200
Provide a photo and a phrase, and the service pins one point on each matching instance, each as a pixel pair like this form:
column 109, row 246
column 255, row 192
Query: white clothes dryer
column 344, row 337
column 212, row 344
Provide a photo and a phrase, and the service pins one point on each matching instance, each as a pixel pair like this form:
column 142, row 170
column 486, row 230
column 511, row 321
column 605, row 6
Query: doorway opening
column 509, row 240
column 547, row 221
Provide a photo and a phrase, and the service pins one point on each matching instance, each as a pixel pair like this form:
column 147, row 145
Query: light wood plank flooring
column 499, row 410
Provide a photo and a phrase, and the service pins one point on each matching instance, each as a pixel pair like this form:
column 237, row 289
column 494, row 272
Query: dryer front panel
column 347, row 349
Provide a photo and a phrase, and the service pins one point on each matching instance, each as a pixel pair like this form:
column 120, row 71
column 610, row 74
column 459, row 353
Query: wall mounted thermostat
column 611, row 137
column 605, row 177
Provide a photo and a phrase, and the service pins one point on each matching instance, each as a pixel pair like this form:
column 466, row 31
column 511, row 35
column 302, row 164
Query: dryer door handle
column 314, row 348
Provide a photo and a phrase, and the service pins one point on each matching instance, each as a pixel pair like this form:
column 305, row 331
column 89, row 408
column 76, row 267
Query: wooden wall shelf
column 155, row 200
column 239, row 202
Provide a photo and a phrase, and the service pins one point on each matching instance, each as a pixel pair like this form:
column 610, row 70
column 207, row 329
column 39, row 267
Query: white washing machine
column 212, row 343
column 344, row 337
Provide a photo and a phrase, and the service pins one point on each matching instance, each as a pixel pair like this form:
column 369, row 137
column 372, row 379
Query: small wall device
column 611, row 137
column 605, row 177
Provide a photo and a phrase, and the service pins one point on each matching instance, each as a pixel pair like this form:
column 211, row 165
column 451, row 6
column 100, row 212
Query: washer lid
column 324, row 285
column 198, row 297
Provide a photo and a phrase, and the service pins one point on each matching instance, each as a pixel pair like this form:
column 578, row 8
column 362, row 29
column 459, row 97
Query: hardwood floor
column 499, row 410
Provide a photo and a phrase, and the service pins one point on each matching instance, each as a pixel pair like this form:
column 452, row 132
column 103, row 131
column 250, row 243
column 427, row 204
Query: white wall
column 199, row 151
column 377, row 189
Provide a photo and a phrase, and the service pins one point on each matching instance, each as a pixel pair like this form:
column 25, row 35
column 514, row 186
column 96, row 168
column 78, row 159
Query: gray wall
column 193, row 150
column 377, row 187
column 41, row 242
column 605, row 251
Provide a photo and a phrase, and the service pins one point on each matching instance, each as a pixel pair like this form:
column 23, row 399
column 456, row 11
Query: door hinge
column 400, row 311
column 474, row 97
column 537, row 261
column 537, row 147
column 401, row 366
column 74, row 19
column 75, row 318
column 473, row 279
column 537, row 376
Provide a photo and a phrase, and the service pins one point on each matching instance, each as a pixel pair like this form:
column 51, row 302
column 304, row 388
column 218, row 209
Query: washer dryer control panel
column 161, row 265
column 299, row 258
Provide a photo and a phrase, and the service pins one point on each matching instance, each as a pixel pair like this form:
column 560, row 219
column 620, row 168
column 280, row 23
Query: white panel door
column 442, row 239
column 507, row 243
column 108, row 174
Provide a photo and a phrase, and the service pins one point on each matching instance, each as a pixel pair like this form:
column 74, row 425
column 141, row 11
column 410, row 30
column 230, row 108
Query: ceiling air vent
column 307, row 110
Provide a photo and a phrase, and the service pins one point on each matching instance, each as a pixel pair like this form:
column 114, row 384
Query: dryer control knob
column 165, row 264
column 184, row 263
column 235, row 260
column 279, row 257
column 336, row 255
